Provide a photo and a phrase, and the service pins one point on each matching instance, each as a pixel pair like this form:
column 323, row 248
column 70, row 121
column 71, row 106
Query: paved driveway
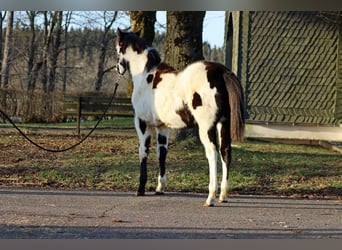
column 44, row 213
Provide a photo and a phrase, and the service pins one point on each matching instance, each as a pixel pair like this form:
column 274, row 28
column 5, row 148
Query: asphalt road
column 44, row 213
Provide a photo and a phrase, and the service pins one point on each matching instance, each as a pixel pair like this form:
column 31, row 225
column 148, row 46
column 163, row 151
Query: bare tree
column 49, row 25
column 55, row 49
column 108, row 19
column 68, row 16
column 2, row 18
column 32, row 72
column 5, row 67
column 3, row 94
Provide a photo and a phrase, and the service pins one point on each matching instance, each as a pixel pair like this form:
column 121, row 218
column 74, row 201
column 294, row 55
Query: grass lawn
column 108, row 160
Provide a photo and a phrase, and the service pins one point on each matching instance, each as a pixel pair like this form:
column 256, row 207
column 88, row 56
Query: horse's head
column 122, row 63
column 125, row 40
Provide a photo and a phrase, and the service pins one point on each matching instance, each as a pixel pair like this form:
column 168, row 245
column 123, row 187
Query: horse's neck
column 137, row 69
column 137, row 62
column 139, row 80
column 145, row 60
column 139, row 76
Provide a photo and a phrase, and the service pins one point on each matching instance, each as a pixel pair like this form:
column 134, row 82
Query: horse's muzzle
column 120, row 70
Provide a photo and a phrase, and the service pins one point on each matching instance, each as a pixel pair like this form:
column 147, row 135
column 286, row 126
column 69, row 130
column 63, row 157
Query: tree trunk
column 2, row 18
column 48, row 28
column 66, row 27
column 142, row 21
column 183, row 41
column 228, row 39
column 104, row 45
column 183, row 45
column 55, row 50
column 6, row 60
column 31, row 80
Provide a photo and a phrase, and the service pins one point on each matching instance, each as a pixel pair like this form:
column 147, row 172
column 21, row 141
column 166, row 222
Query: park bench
column 94, row 104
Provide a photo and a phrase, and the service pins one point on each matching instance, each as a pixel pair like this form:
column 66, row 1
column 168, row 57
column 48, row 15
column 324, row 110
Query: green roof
column 291, row 67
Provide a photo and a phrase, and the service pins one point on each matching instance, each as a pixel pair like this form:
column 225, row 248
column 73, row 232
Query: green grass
column 110, row 161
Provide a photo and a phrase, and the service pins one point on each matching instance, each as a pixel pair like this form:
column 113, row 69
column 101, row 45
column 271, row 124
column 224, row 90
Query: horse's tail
column 236, row 106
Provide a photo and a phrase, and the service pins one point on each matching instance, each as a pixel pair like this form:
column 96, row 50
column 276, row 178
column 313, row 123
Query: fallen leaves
column 116, row 220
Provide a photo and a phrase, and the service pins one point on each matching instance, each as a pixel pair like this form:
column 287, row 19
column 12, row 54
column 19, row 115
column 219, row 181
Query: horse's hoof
column 208, row 205
column 223, row 201
column 140, row 193
column 159, row 193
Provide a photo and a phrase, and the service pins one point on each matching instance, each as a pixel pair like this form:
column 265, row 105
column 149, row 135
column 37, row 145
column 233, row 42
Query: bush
column 32, row 106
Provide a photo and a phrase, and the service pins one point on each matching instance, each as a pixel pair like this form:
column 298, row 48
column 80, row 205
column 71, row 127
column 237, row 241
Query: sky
column 213, row 26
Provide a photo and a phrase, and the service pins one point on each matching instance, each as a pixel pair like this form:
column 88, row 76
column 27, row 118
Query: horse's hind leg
column 208, row 139
column 225, row 152
column 162, row 142
column 144, row 135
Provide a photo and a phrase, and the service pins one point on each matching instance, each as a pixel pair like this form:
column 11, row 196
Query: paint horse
column 205, row 94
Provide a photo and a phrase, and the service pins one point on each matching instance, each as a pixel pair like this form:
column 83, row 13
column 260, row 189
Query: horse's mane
column 139, row 45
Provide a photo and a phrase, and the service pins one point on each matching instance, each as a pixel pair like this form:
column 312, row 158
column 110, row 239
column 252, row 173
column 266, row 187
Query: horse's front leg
column 162, row 142
column 144, row 135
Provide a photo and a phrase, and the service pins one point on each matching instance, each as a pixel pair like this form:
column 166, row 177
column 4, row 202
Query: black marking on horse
column 162, row 139
column 142, row 126
column 196, row 100
column 212, row 135
column 225, row 144
column 186, row 116
column 143, row 177
column 162, row 160
column 147, row 144
column 143, row 167
column 149, row 78
column 162, row 69
column 215, row 76
column 229, row 98
column 153, row 60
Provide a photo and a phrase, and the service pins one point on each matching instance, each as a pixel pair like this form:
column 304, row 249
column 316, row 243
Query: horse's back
column 214, row 93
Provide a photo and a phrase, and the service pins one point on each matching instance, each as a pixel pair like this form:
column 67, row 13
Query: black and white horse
column 205, row 94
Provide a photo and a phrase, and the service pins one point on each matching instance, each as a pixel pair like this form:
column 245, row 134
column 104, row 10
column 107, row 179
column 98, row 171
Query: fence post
column 3, row 102
column 79, row 100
